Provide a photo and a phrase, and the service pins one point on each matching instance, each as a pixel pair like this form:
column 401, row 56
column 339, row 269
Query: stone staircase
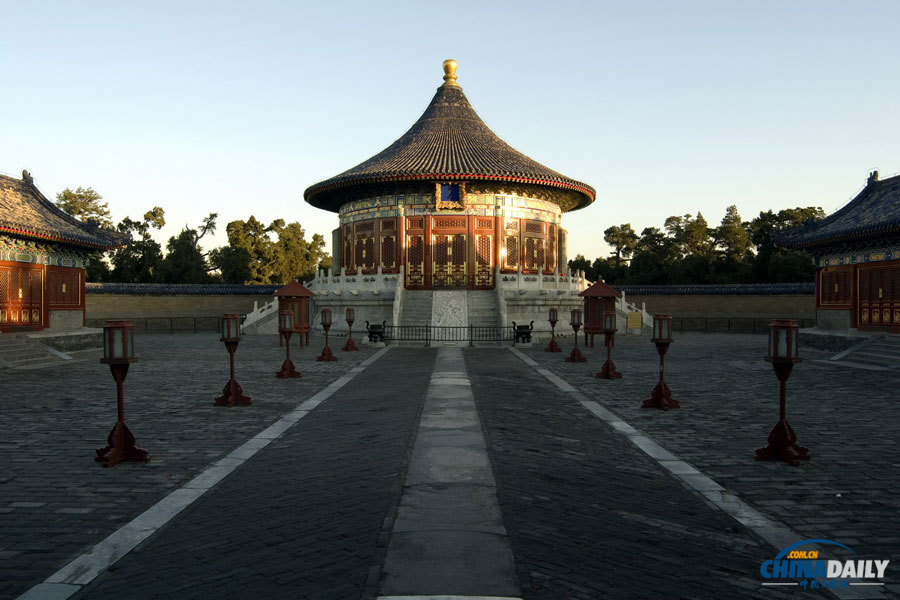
column 415, row 308
column 23, row 353
column 876, row 353
column 482, row 306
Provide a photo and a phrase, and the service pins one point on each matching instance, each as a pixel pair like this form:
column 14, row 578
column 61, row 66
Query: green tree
column 84, row 204
column 185, row 261
column 788, row 265
column 623, row 240
column 140, row 259
column 653, row 256
column 295, row 257
column 273, row 254
column 691, row 235
column 731, row 236
column 250, row 254
column 579, row 263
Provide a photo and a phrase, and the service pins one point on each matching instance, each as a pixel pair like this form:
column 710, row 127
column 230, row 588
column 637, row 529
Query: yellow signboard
column 634, row 320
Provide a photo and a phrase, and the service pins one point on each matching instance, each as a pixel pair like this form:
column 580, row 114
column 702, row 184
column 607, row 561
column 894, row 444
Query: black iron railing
column 168, row 324
column 732, row 324
column 428, row 334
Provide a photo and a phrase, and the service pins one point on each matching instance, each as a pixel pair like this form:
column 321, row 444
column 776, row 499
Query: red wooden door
column 21, row 296
column 879, row 297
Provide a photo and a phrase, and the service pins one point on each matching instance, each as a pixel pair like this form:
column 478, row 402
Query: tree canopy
column 688, row 251
column 84, row 204
column 273, row 254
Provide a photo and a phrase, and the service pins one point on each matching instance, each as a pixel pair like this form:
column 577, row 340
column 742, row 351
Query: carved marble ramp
column 448, row 539
column 449, row 309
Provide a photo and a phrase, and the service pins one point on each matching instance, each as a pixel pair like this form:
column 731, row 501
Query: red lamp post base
column 575, row 355
column 232, row 395
column 350, row 346
column 608, row 371
column 552, row 346
column 660, row 397
column 326, row 355
column 287, row 370
column 782, row 445
column 121, row 446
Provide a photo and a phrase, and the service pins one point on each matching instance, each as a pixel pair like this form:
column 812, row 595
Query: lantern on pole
column 553, row 318
column 295, row 298
column 608, row 371
column 326, row 325
column 286, row 326
column 118, row 353
column 350, row 346
column 575, row 322
column 232, row 394
column 783, row 355
column 599, row 298
column 661, row 396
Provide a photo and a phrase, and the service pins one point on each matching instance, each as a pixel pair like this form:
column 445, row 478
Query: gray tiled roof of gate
column 873, row 213
column 26, row 212
column 448, row 140
column 736, row 289
column 170, row 289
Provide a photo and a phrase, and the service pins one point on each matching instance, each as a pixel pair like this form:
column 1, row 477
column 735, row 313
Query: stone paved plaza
column 319, row 509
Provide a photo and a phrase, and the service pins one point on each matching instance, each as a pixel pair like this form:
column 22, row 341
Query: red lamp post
column 553, row 346
column 661, row 396
column 575, row 355
column 295, row 298
column 286, row 326
column 326, row 325
column 609, row 331
column 350, row 346
column 118, row 353
column 232, row 394
column 783, row 356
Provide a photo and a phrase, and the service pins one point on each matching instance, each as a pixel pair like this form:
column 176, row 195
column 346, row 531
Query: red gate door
column 21, row 296
column 449, row 266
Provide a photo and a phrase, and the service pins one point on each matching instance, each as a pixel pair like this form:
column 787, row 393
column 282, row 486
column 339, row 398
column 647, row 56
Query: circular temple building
column 449, row 202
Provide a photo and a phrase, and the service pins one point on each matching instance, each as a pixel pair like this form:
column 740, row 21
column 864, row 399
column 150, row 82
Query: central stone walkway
column 449, row 536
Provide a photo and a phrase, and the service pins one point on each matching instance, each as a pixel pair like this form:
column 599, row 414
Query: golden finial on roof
column 450, row 72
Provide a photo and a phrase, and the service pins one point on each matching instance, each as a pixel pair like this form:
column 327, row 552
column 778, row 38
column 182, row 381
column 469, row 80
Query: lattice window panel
column 371, row 253
column 365, row 226
column 512, row 252
column 530, row 261
column 484, row 274
column 415, row 223
column 387, row 225
column 484, row 224
column 415, row 260
column 551, row 249
column 442, row 251
column 360, row 252
column 388, row 252
column 448, row 223
column 534, row 227
column 4, row 286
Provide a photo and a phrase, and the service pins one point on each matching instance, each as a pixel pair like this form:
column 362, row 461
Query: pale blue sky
column 664, row 107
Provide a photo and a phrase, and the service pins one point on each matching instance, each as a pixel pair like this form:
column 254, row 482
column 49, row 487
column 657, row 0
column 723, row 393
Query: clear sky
column 665, row 108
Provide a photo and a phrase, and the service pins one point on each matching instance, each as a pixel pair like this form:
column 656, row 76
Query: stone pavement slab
column 591, row 516
column 304, row 517
column 56, row 502
column 849, row 419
